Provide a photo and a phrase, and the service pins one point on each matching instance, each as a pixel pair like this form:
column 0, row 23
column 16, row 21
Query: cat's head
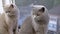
column 38, row 12
column 10, row 10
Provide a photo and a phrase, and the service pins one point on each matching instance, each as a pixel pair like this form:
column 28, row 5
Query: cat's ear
column 12, row 5
column 42, row 9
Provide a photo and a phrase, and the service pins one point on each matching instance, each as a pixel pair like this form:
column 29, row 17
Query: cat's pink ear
column 12, row 5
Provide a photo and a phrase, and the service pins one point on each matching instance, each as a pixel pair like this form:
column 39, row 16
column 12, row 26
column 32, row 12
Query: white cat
column 37, row 23
column 9, row 19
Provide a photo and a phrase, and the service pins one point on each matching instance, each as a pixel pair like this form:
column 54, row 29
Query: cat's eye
column 37, row 14
column 7, row 11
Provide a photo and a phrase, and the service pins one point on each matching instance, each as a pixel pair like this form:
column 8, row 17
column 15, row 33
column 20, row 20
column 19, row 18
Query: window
column 52, row 23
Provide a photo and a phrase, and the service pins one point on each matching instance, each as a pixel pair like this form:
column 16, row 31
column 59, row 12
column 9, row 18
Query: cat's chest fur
column 37, row 26
column 11, row 21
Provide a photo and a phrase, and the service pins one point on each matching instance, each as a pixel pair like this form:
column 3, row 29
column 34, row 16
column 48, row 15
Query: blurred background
column 24, row 6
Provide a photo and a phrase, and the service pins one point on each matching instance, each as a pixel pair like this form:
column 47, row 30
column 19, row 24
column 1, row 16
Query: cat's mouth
column 39, row 20
column 11, row 15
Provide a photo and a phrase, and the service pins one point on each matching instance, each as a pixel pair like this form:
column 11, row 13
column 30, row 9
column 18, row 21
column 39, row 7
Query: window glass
column 1, row 7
